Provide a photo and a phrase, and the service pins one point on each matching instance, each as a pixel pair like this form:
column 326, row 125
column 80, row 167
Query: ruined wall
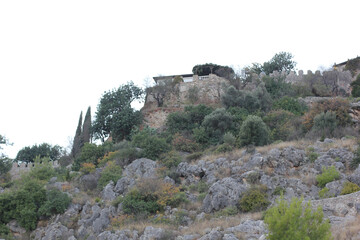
column 19, row 168
column 202, row 90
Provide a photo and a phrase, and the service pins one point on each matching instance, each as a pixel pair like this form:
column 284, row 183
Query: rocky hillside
column 213, row 186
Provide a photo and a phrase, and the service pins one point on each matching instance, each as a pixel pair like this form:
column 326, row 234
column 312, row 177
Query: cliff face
column 202, row 90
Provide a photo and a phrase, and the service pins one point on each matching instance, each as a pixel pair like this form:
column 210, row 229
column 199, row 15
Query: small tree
column 282, row 61
column 296, row 222
column 78, row 142
column 254, row 132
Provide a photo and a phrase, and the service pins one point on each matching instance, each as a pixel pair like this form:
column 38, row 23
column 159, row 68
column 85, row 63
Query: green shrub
column 201, row 136
column 253, row 177
column 290, row 104
column 349, row 187
column 293, row 221
column 56, row 203
column 325, row 124
column 253, row 131
column 356, row 160
column 152, row 146
column 111, row 172
column 281, row 124
column 181, row 143
column 254, row 199
column 5, row 232
column 90, row 153
column 324, row 193
column 228, row 211
column 217, row 123
column 229, row 139
column 136, row 203
column 224, row 148
column 201, row 196
column 312, row 156
column 194, row 156
column 170, row 159
column 43, row 169
column 328, row 175
column 355, row 92
column 279, row 191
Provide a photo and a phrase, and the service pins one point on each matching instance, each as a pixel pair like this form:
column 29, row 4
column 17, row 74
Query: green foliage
column 229, row 139
column 253, row 132
column 177, row 79
column 355, row 92
column 254, row 199
column 78, row 142
column 217, row 123
column 5, row 166
column 137, row 203
column 239, row 115
column 222, row 148
column 293, row 221
column 349, row 187
column 281, row 124
column 290, row 104
column 353, row 65
column 356, row 160
column 5, row 232
column 28, row 154
column 170, row 159
column 90, row 153
column 228, row 211
column 324, row 193
column 328, row 174
column 325, row 124
column 56, row 203
column 111, row 172
column 252, row 101
column 279, row 191
column 194, row 156
column 313, row 156
column 114, row 113
column 282, row 61
column 191, row 118
column 152, row 146
column 208, row 68
column 181, row 143
column 201, row 136
column 42, row 170
column 253, row 177
column 277, row 87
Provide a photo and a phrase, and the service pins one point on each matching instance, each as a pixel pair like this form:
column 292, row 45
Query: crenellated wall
column 19, row 168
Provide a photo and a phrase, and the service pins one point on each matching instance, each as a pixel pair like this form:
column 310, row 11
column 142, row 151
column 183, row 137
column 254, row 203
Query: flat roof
column 172, row 76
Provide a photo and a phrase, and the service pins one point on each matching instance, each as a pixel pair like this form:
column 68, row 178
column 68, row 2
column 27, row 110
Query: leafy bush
column 229, row 139
column 170, row 159
column 355, row 92
column 313, row 156
column 194, row 156
column 281, row 124
column 254, row 199
column 87, row 168
column 293, row 221
column 325, row 124
column 151, row 196
column 43, row 169
column 356, row 160
column 222, row 148
column 253, row 131
column 111, row 172
column 328, row 175
column 228, row 211
column 181, row 143
column 349, row 187
column 279, row 191
column 324, row 193
column 290, row 104
column 151, row 145
column 217, row 123
column 339, row 106
column 277, row 87
column 56, row 203
column 90, row 153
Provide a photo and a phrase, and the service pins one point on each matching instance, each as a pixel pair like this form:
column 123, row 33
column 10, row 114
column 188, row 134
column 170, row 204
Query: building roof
column 171, row 77
column 344, row 63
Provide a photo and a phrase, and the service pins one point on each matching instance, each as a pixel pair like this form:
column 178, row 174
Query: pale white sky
column 58, row 57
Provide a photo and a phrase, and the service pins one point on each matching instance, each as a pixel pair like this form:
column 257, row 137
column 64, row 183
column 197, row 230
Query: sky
column 58, row 57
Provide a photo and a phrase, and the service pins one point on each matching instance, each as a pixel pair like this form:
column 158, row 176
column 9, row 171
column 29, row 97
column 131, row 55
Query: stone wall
column 208, row 90
column 19, row 168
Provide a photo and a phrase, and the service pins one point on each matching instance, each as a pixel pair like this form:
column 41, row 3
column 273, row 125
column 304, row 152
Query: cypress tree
column 87, row 127
column 77, row 144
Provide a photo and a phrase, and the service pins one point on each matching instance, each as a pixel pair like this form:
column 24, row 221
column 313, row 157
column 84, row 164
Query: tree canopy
column 282, row 61
column 114, row 110
column 207, row 68
column 28, row 154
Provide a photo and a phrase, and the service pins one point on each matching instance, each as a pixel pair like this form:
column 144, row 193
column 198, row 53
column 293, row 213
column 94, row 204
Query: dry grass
column 300, row 144
column 223, row 223
column 350, row 144
column 350, row 230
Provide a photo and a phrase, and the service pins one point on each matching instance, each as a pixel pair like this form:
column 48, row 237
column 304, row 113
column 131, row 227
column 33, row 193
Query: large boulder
column 223, row 193
column 252, row 229
column 108, row 193
column 213, row 235
column 152, row 233
column 123, row 185
column 89, row 182
column 355, row 176
column 141, row 168
column 295, row 156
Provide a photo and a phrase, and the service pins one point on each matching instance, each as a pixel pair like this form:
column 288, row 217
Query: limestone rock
column 223, row 193
column 141, row 168
column 108, row 193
